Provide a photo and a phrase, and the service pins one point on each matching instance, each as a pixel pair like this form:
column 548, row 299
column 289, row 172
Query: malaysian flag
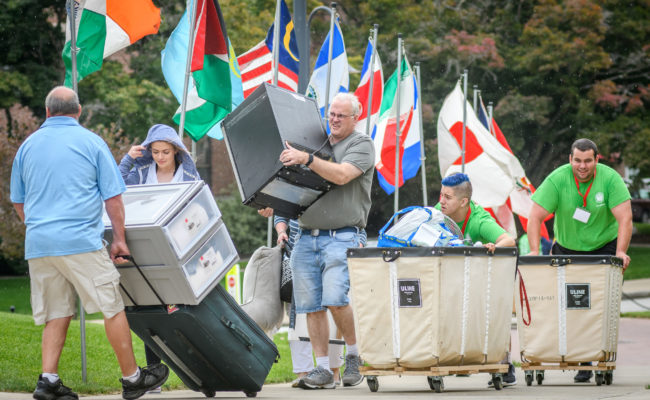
column 256, row 65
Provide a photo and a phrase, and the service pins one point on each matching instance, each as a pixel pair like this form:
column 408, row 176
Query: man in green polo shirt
column 477, row 225
column 592, row 210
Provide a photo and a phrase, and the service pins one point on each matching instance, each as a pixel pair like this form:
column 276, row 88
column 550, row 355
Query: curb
column 635, row 295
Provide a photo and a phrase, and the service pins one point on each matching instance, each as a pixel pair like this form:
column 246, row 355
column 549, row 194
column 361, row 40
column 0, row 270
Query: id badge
column 581, row 215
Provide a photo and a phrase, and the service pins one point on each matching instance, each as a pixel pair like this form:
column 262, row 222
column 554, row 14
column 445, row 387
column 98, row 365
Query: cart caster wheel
column 373, row 383
column 497, row 381
column 250, row 394
column 540, row 377
column 209, row 393
column 609, row 377
column 599, row 379
column 529, row 378
column 436, row 383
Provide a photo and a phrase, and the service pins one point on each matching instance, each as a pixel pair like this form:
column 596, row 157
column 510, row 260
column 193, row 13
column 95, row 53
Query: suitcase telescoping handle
column 130, row 258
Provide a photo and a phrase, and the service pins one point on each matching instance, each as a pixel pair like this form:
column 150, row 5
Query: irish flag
column 386, row 136
column 105, row 26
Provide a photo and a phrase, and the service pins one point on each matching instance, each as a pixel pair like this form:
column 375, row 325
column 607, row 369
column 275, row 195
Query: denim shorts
column 320, row 270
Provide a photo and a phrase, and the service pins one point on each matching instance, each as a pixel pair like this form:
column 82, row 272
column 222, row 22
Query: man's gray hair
column 352, row 100
column 62, row 101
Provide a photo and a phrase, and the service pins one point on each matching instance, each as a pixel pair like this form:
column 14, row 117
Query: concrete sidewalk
column 629, row 383
column 636, row 288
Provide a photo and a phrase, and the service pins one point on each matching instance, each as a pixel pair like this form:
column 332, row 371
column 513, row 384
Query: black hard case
column 212, row 347
column 255, row 134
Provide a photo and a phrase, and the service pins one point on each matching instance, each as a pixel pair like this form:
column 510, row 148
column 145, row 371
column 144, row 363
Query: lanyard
column 469, row 212
column 584, row 197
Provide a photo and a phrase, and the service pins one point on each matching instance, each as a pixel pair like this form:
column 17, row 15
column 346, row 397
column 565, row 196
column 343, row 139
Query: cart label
column 578, row 296
column 409, row 293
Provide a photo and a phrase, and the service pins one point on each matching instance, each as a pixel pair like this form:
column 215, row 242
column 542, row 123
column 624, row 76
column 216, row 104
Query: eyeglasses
column 339, row 116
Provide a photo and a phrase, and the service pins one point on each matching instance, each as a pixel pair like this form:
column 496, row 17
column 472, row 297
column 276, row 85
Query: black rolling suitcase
column 212, row 347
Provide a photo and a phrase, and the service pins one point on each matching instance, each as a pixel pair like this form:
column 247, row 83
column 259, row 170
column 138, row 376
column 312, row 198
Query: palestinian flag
column 105, row 26
column 209, row 98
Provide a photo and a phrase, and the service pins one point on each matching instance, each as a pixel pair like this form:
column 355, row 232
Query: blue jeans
column 320, row 270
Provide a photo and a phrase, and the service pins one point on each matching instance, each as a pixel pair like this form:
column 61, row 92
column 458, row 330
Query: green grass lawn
column 636, row 314
column 640, row 265
column 20, row 358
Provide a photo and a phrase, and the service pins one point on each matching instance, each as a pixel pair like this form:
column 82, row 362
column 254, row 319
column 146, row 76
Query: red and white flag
column 493, row 170
column 363, row 91
column 520, row 201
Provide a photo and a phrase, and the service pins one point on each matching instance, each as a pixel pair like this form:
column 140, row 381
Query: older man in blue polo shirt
column 62, row 176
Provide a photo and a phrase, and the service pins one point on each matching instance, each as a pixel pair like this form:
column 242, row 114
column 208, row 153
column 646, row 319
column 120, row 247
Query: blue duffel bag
column 419, row 226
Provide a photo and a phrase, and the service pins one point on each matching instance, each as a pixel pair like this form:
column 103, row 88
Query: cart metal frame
column 435, row 374
column 603, row 370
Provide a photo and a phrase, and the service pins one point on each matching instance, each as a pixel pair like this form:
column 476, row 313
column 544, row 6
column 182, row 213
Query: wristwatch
column 310, row 160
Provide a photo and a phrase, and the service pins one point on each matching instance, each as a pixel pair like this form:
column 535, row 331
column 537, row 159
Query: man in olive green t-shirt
column 327, row 229
column 593, row 214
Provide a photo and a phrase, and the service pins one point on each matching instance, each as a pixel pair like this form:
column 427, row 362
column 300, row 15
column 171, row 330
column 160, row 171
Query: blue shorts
column 320, row 270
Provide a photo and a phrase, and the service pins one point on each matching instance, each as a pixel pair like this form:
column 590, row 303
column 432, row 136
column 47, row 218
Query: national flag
column 385, row 137
column 493, row 170
column 237, row 91
column 257, row 63
column 363, row 91
column 209, row 97
column 339, row 76
column 102, row 28
column 519, row 201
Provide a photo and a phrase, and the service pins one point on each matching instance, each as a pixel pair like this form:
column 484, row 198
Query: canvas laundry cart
column 567, row 313
column 432, row 311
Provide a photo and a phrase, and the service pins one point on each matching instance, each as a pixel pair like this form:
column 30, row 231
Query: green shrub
column 247, row 228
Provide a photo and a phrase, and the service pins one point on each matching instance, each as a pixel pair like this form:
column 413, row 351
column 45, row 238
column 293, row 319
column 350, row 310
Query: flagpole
column 490, row 108
column 464, row 119
column 329, row 61
column 276, row 42
column 476, row 92
column 188, row 67
column 397, row 129
column 276, row 69
column 72, row 17
column 373, row 32
column 423, row 156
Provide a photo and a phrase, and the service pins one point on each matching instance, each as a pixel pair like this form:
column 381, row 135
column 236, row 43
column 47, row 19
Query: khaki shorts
column 55, row 282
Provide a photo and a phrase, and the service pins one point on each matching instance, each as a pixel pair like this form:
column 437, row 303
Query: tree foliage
column 556, row 70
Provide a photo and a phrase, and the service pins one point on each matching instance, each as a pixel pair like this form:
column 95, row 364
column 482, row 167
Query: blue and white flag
column 339, row 77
